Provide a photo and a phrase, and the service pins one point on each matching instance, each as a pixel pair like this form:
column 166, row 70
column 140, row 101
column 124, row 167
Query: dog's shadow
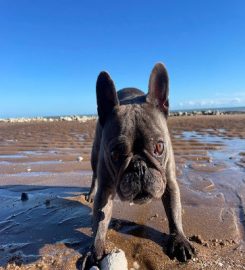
column 139, row 230
column 131, row 228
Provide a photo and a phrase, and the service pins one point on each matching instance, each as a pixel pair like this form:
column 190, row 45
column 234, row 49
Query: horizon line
column 196, row 109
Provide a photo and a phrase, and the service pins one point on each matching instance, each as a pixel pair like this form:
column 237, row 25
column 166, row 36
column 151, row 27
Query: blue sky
column 51, row 52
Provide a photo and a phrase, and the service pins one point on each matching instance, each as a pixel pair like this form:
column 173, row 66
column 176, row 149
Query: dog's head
column 135, row 137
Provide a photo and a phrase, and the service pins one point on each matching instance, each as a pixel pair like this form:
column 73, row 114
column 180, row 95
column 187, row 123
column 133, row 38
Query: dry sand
column 52, row 228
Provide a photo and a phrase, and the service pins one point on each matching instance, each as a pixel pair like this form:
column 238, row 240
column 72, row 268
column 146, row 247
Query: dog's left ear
column 159, row 88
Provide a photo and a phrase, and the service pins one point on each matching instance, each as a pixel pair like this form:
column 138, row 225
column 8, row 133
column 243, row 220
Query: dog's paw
column 180, row 248
column 89, row 197
column 93, row 256
column 88, row 260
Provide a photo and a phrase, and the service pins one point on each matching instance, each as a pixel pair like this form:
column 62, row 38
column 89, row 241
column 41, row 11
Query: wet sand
column 52, row 228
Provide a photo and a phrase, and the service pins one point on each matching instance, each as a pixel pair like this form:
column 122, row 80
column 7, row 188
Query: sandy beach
column 50, row 227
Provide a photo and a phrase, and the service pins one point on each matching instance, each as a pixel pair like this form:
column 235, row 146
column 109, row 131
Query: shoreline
column 78, row 118
column 85, row 118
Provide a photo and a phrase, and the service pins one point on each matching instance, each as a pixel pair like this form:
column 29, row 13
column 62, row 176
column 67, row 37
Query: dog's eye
column 114, row 156
column 159, row 147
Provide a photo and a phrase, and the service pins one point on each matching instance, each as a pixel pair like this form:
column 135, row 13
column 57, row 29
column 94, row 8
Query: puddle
column 12, row 156
column 37, row 174
column 28, row 227
column 45, row 162
column 39, row 153
column 82, row 137
column 229, row 152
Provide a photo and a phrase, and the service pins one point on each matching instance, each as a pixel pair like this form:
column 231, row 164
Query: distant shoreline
column 49, row 119
column 221, row 111
column 85, row 118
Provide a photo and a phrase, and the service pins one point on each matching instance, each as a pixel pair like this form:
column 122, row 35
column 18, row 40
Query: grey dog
column 132, row 156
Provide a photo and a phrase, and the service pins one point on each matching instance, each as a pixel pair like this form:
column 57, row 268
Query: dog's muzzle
column 139, row 184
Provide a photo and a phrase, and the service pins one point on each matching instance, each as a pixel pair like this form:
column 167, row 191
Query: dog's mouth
column 139, row 183
column 142, row 198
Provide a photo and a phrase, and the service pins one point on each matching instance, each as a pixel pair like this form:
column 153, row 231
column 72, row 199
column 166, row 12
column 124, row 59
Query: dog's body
column 132, row 156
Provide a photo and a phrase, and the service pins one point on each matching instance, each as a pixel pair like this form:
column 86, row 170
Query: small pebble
column 215, row 240
column 197, row 239
column 28, row 170
column 154, row 216
column 79, row 159
column 136, row 265
column 47, row 202
column 24, row 196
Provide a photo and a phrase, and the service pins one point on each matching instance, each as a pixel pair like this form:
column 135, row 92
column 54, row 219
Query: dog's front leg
column 89, row 197
column 101, row 217
column 178, row 245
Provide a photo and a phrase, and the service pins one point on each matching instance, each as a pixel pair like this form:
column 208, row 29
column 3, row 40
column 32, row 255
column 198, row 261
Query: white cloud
column 214, row 102
column 239, row 94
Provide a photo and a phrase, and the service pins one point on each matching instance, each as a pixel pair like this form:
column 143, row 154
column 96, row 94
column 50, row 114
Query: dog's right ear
column 106, row 96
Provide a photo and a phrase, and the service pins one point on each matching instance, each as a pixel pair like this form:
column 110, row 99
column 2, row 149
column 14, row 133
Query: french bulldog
column 132, row 156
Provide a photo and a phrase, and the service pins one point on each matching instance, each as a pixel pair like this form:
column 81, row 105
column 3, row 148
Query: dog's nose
column 139, row 167
column 136, row 165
